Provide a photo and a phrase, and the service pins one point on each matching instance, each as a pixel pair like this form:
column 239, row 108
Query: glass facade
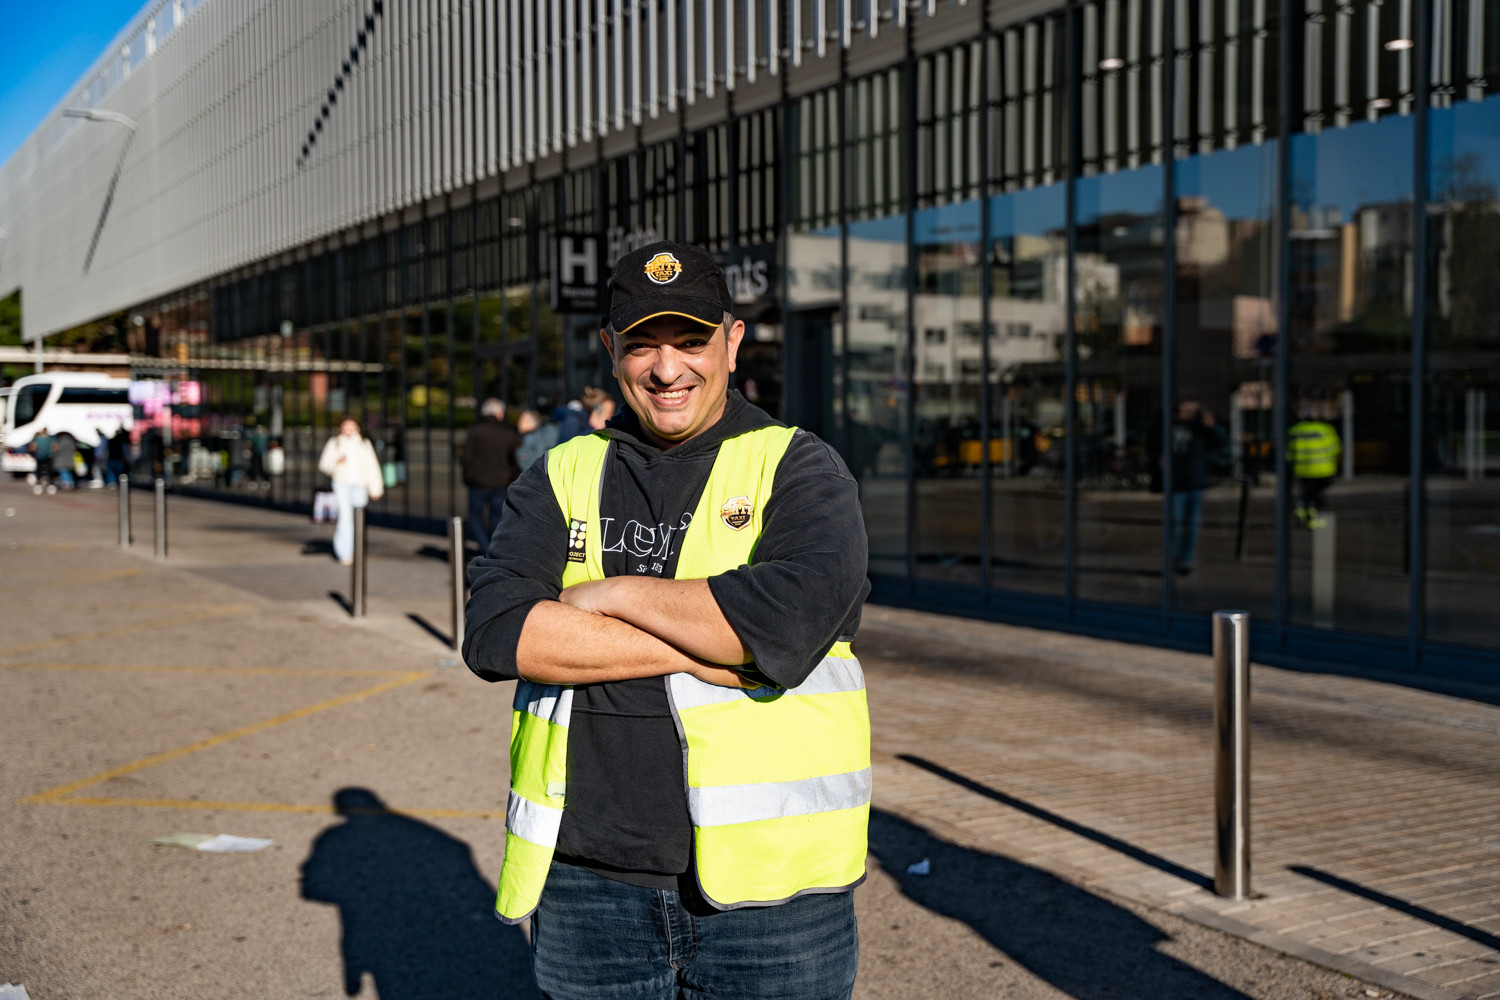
column 1119, row 315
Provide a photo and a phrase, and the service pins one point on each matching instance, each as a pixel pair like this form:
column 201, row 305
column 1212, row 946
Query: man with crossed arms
column 675, row 595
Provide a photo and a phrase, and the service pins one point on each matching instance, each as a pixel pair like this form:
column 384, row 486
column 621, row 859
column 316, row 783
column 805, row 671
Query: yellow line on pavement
column 276, row 807
column 114, row 574
column 252, row 671
column 56, row 794
column 77, row 606
column 32, row 647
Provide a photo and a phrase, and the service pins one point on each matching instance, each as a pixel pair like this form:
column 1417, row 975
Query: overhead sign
column 751, row 277
column 620, row 241
column 576, row 273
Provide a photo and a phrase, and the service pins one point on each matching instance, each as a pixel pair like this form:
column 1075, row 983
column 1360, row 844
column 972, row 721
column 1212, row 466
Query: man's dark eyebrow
column 682, row 333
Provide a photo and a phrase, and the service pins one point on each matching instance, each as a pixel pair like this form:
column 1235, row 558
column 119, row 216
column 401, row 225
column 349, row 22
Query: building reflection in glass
column 1460, row 456
column 1350, row 343
column 1028, row 338
column 1240, row 430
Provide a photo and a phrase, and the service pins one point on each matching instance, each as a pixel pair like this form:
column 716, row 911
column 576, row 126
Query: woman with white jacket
column 349, row 460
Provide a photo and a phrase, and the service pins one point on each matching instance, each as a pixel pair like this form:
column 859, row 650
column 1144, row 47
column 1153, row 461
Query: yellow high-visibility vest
column 1313, row 449
column 778, row 779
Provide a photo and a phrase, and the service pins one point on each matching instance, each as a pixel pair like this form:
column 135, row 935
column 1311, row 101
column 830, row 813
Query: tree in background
column 10, row 335
column 101, row 336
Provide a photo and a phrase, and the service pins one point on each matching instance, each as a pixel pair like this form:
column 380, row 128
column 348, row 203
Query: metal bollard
column 161, row 518
column 124, row 486
column 456, row 565
column 358, row 578
column 1325, row 549
column 1232, row 753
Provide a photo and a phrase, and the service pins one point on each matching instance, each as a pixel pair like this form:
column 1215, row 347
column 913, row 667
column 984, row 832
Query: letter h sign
column 575, row 273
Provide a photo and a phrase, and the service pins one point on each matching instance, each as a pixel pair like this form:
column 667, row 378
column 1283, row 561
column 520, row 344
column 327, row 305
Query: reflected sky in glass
column 1365, row 164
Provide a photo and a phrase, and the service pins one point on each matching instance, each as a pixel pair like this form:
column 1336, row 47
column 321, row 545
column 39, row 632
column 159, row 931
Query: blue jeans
column 1187, row 511
column 349, row 497
column 593, row 937
column 485, row 505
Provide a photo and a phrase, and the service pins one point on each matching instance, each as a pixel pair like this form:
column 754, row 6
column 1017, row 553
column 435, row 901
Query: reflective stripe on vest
column 538, row 765
column 778, row 779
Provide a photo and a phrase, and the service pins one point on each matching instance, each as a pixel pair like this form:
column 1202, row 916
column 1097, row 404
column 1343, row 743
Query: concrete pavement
column 1058, row 789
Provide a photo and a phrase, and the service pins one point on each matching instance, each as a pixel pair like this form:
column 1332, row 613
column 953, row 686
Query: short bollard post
column 358, row 580
column 456, row 565
column 1232, row 754
column 124, row 485
column 161, row 518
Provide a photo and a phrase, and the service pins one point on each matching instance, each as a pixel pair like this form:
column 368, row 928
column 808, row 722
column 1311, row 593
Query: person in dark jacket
column 118, row 462
column 571, row 420
column 489, row 466
column 1194, row 440
column 41, row 450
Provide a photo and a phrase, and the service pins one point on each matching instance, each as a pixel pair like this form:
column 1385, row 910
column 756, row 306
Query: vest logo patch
column 663, row 268
column 577, row 534
column 737, row 512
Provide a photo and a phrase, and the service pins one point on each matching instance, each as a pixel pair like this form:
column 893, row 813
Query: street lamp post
column 101, row 115
column 114, row 118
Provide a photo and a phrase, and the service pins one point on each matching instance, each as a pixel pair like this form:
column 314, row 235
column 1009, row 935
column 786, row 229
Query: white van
column 88, row 406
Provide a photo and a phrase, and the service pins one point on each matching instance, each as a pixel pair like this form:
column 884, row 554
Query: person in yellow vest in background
column 675, row 595
column 1313, row 451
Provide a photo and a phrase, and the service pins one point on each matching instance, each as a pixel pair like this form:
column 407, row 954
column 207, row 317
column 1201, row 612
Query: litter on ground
column 214, row 843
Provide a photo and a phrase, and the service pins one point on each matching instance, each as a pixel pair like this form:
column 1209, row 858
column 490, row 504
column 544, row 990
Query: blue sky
column 47, row 47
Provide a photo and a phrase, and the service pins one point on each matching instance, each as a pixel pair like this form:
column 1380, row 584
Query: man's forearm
column 567, row 645
column 682, row 613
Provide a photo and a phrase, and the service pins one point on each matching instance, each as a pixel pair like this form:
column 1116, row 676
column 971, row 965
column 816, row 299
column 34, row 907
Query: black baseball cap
column 667, row 279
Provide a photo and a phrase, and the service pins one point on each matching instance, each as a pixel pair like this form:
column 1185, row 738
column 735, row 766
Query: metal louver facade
column 256, row 128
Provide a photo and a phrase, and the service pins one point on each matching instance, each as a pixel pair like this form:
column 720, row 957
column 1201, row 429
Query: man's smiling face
column 674, row 373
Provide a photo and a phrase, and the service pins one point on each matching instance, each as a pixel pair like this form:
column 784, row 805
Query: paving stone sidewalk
column 1376, row 819
column 1376, row 842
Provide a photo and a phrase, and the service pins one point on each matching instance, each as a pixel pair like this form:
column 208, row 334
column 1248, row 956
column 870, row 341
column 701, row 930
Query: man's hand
column 563, row 644
column 593, row 595
column 620, row 596
column 710, row 673
column 682, row 613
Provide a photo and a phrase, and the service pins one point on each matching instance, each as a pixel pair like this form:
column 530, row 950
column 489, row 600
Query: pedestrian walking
column 489, row 467
column 536, row 438
column 41, row 453
column 690, row 766
column 118, row 452
column 600, row 406
column 259, row 441
column 1195, row 438
column 349, row 460
column 572, row 419
column 64, row 457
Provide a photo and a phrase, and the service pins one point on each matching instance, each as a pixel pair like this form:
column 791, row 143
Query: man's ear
column 609, row 347
column 736, row 333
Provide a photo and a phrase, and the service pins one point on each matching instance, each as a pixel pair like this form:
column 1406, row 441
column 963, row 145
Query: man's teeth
column 674, row 394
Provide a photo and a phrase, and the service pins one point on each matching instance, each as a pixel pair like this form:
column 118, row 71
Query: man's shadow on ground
column 417, row 915
column 1080, row 943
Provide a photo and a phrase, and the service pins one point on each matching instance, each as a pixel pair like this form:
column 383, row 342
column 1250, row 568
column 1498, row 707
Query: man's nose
column 668, row 364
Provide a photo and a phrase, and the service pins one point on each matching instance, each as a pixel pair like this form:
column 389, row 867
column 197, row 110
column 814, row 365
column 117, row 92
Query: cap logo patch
column 663, row 268
column 737, row 512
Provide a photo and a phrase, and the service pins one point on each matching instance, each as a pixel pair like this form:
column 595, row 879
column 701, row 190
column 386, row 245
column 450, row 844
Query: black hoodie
column 627, row 808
